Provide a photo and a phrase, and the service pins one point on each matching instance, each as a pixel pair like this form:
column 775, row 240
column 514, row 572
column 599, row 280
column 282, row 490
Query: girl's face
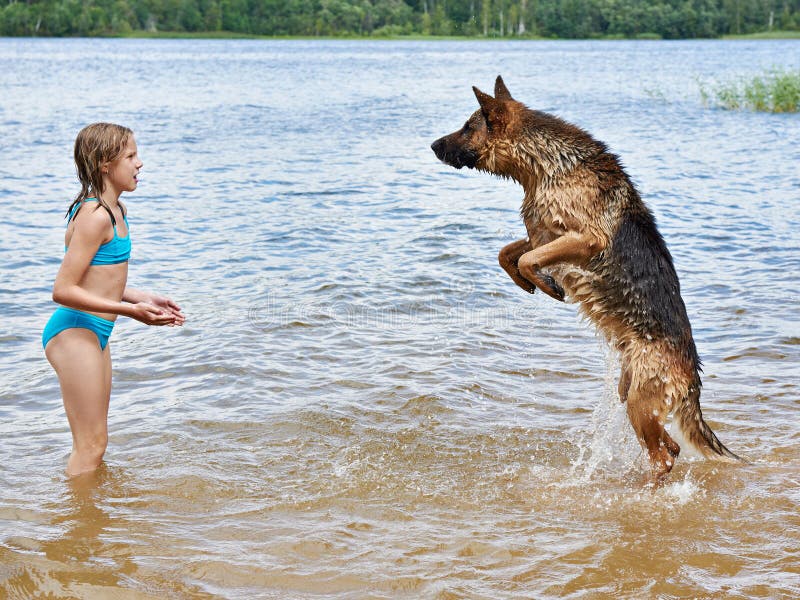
column 122, row 174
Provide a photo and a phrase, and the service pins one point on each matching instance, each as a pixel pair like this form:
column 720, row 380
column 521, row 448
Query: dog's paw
column 551, row 287
column 526, row 285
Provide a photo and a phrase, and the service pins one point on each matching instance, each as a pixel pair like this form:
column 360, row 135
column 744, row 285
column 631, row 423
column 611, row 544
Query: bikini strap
column 78, row 206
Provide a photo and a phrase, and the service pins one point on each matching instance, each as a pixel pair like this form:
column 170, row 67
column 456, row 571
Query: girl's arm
column 86, row 239
column 133, row 295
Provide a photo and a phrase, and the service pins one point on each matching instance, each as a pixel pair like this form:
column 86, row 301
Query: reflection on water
column 58, row 564
column 361, row 405
column 85, row 518
column 84, row 555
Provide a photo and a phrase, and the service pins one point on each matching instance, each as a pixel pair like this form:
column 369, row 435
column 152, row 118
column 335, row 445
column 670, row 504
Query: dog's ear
column 488, row 104
column 500, row 90
column 493, row 111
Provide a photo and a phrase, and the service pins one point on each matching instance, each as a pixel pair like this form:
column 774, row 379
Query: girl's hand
column 167, row 306
column 150, row 314
column 171, row 307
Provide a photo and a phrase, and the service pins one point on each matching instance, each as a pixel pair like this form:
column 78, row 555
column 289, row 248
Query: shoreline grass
column 776, row 92
column 765, row 35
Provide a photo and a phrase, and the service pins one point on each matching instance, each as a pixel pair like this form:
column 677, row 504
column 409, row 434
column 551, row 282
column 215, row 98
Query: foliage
column 488, row 18
column 777, row 92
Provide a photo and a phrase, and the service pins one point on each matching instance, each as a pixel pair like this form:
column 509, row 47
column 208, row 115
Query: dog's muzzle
column 455, row 157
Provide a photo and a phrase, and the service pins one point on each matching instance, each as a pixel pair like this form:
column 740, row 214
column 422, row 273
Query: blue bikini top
column 114, row 251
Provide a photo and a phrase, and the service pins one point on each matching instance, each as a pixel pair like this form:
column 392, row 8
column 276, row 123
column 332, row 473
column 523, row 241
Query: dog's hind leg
column 647, row 408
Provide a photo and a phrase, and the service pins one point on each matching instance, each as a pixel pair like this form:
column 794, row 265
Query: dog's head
column 476, row 144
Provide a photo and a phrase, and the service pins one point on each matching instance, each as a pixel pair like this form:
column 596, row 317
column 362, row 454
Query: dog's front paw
column 551, row 287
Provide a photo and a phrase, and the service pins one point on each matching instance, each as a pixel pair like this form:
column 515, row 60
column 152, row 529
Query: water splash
column 684, row 491
column 611, row 443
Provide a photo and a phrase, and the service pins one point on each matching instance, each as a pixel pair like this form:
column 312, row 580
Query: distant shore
column 230, row 35
column 767, row 35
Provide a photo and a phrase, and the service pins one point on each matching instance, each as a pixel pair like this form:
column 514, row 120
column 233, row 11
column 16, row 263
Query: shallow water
column 361, row 404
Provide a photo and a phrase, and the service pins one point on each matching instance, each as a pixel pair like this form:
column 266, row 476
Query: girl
column 91, row 288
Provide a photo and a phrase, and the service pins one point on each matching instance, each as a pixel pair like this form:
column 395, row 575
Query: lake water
column 362, row 404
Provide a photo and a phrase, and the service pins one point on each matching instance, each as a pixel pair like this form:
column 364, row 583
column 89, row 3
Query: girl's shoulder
column 92, row 220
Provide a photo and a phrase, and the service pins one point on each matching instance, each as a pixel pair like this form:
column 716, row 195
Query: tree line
column 487, row 18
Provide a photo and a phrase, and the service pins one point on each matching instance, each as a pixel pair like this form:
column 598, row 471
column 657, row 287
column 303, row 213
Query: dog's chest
column 550, row 213
column 556, row 215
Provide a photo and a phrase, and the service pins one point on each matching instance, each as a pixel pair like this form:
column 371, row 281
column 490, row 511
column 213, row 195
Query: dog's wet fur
column 591, row 237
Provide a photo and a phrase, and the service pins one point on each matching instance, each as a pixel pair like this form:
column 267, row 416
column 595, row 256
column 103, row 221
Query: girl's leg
column 84, row 372
column 107, row 377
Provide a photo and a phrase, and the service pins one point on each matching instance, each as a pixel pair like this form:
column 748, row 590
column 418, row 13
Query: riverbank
column 765, row 35
column 230, row 35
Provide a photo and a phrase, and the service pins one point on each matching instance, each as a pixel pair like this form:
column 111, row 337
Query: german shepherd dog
column 591, row 237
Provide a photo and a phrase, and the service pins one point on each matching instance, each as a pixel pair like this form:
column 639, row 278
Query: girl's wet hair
column 97, row 145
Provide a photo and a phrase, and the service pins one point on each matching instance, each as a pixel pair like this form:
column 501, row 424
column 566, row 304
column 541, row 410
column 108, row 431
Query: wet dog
column 591, row 237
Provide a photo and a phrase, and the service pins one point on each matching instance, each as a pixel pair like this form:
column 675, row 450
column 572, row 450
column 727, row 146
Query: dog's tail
column 695, row 432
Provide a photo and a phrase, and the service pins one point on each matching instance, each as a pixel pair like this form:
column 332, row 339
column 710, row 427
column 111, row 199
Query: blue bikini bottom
column 68, row 318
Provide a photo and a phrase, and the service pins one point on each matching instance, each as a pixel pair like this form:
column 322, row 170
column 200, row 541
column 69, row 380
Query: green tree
column 552, row 18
